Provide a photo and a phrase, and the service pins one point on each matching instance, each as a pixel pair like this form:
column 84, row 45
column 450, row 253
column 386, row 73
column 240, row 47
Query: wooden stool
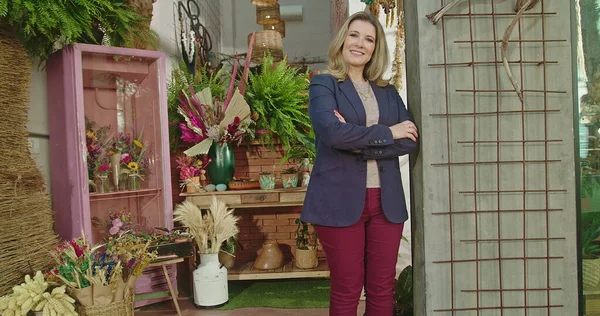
column 173, row 292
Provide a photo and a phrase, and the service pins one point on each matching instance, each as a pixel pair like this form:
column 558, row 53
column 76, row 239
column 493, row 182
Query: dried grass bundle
column 26, row 225
column 210, row 228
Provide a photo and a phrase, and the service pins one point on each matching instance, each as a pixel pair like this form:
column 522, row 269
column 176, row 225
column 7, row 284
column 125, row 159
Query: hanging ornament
column 267, row 14
column 264, row 2
column 279, row 27
column 398, row 63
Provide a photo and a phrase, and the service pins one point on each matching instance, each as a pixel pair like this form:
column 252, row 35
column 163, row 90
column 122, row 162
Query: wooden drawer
column 260, row 198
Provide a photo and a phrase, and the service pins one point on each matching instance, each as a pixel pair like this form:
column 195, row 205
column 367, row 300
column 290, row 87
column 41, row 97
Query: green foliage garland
column 45, row 26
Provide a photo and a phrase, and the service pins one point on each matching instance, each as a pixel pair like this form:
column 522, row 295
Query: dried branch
column 522, row 7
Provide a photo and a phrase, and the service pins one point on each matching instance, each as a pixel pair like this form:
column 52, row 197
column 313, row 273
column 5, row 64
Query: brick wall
column 258, row 224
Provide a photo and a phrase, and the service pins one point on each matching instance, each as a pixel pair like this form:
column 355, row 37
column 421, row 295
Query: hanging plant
column 46, row 26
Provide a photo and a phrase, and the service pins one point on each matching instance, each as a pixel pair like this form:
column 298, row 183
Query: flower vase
column 134, row 181
column 210, row 282
column 222, row 165
column 115, row 163
column 103, row 185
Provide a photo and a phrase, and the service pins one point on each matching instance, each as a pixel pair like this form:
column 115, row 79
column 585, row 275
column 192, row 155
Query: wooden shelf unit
column 288, row 271
column 250, row 198
column 262, row 199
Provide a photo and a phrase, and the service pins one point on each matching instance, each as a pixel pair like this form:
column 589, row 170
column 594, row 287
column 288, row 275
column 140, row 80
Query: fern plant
column 183, row 80
column 277, row 93
column 45, row 26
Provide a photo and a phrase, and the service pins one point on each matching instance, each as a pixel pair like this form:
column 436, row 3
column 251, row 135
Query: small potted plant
column 289, row 177
column 306, row 246
column 226, row 253
column 590, row 251
column 403, row 293
column 267, row 180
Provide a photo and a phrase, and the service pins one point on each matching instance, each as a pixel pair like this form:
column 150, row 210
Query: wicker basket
column 264, row 2
column 267, row 14
column 279, row 27
column 267, row 41
column 122, row 308
column 591, row 273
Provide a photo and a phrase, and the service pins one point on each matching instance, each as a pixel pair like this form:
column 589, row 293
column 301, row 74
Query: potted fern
column 306, row 246
column 277, row 94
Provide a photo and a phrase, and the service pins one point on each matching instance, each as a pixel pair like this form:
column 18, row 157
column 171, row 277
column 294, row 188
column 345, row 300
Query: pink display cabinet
column 126, row 90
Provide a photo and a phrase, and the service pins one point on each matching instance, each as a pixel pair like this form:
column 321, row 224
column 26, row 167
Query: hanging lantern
column 264, row 41
column 279, row 27
column 267, row 14
column 264, row 2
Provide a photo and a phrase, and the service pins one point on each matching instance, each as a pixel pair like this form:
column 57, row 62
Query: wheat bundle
column 211, row 228
column 26, row 220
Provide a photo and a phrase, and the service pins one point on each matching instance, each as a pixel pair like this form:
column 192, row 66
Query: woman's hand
column 406, row 129
column 339, row 116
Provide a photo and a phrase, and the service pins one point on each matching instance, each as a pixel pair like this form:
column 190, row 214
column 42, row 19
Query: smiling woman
column 361, row 127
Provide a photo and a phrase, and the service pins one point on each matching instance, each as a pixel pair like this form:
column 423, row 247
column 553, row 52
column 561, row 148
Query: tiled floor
column 188, row 309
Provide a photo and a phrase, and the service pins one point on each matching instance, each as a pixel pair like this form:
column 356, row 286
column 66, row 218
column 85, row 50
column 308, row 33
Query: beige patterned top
column 372, row 110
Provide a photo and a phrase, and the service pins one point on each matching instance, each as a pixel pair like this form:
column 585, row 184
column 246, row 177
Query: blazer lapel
column 350, row 92
column 382, row 101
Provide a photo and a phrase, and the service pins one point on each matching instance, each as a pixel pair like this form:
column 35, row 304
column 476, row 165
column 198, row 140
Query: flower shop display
column 213, row 124
column 192, row 172
column 31, row 31
column 124, row 89
column 37, row 295
column 210, row 229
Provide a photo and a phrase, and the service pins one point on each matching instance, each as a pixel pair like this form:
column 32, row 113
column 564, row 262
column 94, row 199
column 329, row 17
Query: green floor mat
column 291, row 293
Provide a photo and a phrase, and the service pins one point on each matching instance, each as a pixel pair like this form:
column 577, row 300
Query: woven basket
column 122, row 308
column 591, row 273
column 267, row 14
column 267, row 41
column 279, row 27
column 264, row 2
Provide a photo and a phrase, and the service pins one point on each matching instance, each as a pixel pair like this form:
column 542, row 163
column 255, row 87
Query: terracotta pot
column 306, row 258
column 269, row 256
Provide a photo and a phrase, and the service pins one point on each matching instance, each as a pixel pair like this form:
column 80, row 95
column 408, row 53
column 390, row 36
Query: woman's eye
column 370, row 40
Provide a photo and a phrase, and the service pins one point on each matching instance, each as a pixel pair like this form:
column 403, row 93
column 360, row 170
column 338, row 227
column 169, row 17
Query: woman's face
column 359, row 43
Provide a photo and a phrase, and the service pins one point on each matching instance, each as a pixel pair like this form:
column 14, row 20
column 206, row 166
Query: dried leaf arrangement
column 33, row 295
column 209, row 228
column 388, row 7
column 520, row 7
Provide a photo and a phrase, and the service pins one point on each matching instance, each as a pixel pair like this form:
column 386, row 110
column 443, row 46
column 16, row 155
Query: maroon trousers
column 364, row 254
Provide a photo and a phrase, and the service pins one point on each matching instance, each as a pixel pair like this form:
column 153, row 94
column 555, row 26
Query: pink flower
column 189, row 136
column 117, row 222
column 103, row 168
column 114, row 230
column 125, row 158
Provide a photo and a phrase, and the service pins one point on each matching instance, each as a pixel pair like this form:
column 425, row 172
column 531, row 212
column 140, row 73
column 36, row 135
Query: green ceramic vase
column 220, row 169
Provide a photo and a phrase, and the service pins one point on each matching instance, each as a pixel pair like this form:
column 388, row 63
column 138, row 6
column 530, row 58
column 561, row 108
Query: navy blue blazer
column 337, row 189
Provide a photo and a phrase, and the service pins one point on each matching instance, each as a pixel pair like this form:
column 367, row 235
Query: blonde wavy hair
column 375, row 68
